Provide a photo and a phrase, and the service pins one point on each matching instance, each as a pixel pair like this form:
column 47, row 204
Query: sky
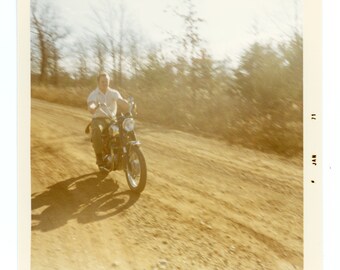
column 229, row 26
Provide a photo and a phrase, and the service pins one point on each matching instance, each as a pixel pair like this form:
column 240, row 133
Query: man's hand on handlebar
column 92, row 107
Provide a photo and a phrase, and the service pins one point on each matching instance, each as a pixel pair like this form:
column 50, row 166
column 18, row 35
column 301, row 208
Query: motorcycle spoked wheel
column 136, row 170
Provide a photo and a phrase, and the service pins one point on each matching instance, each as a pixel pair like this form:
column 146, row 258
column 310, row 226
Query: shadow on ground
column 87, row 198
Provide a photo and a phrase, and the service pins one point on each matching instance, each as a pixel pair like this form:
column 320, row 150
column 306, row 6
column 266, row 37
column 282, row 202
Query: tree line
column 257, row 104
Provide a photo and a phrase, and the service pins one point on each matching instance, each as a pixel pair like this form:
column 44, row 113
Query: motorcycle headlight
column 113, row 130
column 129, row 124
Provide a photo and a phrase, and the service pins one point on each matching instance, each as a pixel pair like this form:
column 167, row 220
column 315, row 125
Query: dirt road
column 207, row 205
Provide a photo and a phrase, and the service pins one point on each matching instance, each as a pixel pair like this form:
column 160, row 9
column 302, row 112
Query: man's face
column 103, row 83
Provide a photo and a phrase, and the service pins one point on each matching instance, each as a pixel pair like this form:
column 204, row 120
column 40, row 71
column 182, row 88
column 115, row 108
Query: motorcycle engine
column 113, row 130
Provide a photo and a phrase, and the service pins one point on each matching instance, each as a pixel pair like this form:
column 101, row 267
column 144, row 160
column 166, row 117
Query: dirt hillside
column 206, row 205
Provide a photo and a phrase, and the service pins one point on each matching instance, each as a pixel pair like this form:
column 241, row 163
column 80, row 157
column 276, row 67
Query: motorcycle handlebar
column 132, row 108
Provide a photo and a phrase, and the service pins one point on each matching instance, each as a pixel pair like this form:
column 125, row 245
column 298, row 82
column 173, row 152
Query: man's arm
column 91, row 103
column 92, row 107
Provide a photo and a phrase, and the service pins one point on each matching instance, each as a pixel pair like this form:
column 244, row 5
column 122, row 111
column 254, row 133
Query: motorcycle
column 121, row 149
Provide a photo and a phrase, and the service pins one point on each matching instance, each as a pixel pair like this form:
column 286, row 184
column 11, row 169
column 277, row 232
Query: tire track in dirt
column 232, row 213
column 207, row 205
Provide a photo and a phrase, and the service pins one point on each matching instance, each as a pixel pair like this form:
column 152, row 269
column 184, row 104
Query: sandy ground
column 207, row 204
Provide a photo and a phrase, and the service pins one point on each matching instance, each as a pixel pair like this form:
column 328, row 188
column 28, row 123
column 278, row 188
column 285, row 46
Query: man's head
column 103, row 81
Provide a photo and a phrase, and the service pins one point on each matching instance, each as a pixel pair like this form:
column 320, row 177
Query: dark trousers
column 98, row 126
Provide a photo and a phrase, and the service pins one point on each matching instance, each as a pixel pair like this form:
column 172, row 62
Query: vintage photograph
column 166, row 134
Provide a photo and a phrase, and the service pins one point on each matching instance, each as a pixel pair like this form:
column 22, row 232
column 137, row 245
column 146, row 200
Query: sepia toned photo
column 167, row 134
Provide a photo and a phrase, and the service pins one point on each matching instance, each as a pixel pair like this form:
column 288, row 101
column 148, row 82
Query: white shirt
column 109, row 98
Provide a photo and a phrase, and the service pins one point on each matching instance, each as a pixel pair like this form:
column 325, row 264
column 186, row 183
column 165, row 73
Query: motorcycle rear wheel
column 135, row 171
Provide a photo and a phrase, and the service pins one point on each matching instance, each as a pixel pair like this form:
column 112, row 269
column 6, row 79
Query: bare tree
column 100, row 52
column 191, row 45
column 112, row 22
column 121, row 41
column 82, row 68
column 47, row 36
column 134, row 51
column 56, row 53
column 38, row 31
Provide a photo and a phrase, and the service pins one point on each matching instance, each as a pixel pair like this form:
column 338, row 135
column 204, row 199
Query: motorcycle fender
column 131, row 143
column 127, row 149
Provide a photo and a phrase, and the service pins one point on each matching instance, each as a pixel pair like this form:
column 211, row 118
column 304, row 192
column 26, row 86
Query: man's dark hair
column 102, row 74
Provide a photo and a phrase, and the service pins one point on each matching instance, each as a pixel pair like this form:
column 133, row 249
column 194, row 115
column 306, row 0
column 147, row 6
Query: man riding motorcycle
column 103, row 94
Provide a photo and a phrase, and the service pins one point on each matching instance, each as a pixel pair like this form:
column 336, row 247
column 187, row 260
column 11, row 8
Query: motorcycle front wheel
column 136, row 170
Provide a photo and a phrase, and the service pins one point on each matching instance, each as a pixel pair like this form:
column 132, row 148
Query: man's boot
column 101, row 163
column 100, row 160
